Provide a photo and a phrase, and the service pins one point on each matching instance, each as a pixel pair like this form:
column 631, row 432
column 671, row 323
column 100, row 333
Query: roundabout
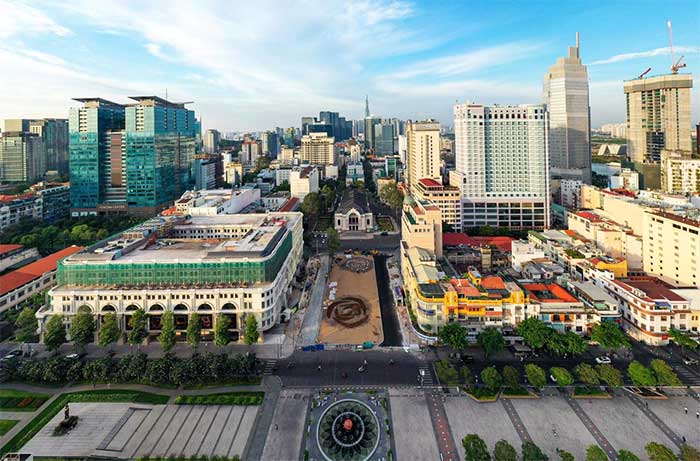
column 348, row 430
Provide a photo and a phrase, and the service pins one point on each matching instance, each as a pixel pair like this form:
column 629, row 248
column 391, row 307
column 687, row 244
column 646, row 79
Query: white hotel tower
column 502, row 165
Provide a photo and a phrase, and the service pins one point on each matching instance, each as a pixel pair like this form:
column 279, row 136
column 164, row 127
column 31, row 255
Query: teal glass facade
column 88, row 149
column 160, row 150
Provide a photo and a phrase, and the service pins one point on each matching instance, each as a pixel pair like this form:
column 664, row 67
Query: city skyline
column 414, row 59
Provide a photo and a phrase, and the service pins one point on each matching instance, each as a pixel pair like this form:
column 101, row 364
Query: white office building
column 502, row 165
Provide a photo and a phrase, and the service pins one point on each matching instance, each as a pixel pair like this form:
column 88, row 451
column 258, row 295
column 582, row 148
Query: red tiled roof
column 6, row 248
column 456, row 238
column 652, row 287
column 26, row 274
column 589, row 216
column 558, row 293
column 465, row 288
column 429, row 182
column 289, row 205
column 8, row 198
column 493, row 282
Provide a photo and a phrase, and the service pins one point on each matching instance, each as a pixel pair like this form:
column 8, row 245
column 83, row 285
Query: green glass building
column 89, row 149
column 132, row 159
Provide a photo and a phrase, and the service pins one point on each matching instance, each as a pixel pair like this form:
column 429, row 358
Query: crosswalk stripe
column 269, row 367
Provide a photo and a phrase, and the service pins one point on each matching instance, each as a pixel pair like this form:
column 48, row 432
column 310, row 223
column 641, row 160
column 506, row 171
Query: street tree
column 475, row 448
column 333, row 240
column 328, row 194
column 609, row 375
column 610, row 336
column 109, row 330
column 391, row 195
column 454, row 335
column 311, row 205
column 626, row 455
column 139, row 332
column 659, row 452
column 491, row 340
column 595, row 453
column 535, row 376
column 55, row 334
column 82, row 328
column 221, row 333
column 587, row 374
column 562, row 376
column 251, row 334
column 511, row 377
column 665, row 376
column 26, row 325
column 492, row 378
column 682, row 339
column 689, row 453
column 504, row 451
column 467, row 377
column 565, row 455
column 166, row 338
column 532, row 452
column 535, row 332
column 640, row 375
column 194, row 331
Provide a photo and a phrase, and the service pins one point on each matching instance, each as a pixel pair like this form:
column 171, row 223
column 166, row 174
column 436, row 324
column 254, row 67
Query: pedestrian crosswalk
column 686, row 376
column 270, row 365
column 425, row 377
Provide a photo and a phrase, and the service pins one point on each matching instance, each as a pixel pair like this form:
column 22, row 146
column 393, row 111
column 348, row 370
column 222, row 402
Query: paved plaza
column 412, row 427
column 128, row 431
column 289, row 422
column 551, row 422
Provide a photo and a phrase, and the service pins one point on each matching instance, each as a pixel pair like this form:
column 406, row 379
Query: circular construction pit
column 348, row 311
column 358, row 265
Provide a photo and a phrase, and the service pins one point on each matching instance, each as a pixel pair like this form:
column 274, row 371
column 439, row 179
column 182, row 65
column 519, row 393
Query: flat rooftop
column 256, row 236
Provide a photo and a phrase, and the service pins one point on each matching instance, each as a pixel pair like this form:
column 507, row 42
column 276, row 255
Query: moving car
column 603, row 359
column 12, row 354
column 690, row 361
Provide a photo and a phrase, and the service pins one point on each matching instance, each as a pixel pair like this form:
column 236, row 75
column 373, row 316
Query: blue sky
column 256, row 65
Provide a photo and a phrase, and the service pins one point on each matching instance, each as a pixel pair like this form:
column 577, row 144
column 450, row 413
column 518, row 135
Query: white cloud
column 19, row 18
column 679, row 50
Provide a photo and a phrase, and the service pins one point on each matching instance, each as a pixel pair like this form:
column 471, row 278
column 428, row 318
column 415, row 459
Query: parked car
column 603, row 359
column 75, row 355
column 12, row 354
column 690, row 361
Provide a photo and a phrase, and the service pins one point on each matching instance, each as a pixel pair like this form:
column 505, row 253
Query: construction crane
column 675, row 65
column 645, row 72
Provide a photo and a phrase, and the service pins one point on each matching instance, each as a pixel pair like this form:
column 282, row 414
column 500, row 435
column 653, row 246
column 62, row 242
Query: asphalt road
column 378, row 371
column 390, row 319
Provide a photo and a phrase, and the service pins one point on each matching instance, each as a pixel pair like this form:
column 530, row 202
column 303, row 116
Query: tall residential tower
column 502, row 165
column 658, row 116
column 566, row 97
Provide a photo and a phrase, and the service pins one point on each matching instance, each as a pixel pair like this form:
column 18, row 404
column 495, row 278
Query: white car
column 553, row 378
column 603, row 359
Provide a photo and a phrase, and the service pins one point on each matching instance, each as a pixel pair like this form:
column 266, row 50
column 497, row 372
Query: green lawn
column 224, row 398
column 6, row 425
column 102, row 395
column 14, row 400
column 589, row 391
column 384, row 224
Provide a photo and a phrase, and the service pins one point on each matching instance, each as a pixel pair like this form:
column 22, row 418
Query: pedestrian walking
column 697, row 414
column 686, row 410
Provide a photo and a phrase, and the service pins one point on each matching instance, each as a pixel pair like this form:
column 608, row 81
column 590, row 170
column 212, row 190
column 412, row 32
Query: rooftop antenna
column 166, row 93
column 578, row 44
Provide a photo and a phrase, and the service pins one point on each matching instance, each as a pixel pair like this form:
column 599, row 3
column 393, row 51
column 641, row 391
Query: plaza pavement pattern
column 558, row 422
column 127, row 431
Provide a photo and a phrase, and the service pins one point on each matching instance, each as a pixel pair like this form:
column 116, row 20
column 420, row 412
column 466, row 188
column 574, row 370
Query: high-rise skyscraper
column 130, row 159
column 422, row 152
column 384, row 136
column 91, row 153
column 317, row 149
column 211, row 141
column 502, row 165
column 367, row 113
column 270, row 143
column 658, row 116
column 48, row 152
column 567, row 100
column 22, row 157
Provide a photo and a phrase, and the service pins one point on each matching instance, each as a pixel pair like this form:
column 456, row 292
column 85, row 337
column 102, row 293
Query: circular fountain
column 348, row 430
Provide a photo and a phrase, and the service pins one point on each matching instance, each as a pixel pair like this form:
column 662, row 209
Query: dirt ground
column 360, row 285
